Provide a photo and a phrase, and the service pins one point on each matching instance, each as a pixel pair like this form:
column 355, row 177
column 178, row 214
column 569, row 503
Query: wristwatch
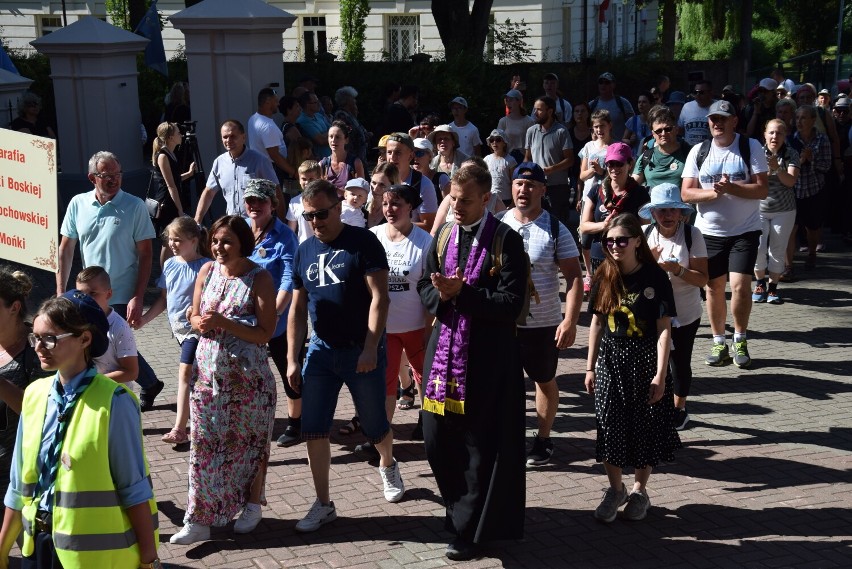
column 155, row 564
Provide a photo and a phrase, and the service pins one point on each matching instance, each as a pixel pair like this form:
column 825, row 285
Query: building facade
column 558, row 30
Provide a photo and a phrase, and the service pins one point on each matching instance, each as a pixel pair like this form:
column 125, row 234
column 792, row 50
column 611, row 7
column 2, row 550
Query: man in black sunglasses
column 340, row 277
column 693, row 117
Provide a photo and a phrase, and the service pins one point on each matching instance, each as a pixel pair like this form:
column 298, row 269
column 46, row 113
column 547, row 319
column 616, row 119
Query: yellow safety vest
column 90, row 526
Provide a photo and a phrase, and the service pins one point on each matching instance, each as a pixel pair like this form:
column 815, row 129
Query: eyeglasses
column 419, row 153
column 108, row 177
column 318, row 214
column 48, row 340
column 620, row 242
column 699, row 92
column 614, row 164
column 663, row 129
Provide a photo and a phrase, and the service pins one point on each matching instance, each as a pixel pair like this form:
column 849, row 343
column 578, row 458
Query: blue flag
column 155, row 53
column 6, row 62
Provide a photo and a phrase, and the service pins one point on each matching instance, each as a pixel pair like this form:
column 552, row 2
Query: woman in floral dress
column 232, row 405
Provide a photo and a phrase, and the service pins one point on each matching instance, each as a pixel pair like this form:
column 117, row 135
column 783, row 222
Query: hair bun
column 24, row 283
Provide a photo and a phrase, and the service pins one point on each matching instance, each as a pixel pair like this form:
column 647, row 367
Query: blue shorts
column 326, row 370
column 187, row 350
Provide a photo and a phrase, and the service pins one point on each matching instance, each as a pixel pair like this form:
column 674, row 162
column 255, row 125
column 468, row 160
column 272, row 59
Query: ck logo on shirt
column 323, row 269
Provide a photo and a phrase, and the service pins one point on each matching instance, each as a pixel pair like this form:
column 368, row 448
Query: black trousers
column 44, row 555
column 680, row 359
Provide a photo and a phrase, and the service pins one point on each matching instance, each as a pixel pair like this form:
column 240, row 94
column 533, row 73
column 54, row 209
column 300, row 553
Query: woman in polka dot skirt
column 627, row 368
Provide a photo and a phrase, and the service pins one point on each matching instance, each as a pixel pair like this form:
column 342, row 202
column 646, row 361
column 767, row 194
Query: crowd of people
column 401, row 277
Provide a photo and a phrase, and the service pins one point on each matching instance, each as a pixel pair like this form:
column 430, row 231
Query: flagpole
column 64, row 15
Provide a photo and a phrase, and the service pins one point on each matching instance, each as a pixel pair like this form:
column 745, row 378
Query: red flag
column 602, row 11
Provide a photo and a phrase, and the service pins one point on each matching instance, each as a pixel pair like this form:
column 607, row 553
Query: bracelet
column 590, row 370
column 682, row 270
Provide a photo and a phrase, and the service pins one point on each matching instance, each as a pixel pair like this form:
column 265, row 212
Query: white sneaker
column 248, row 520
column 190, row 533
column 318, row 516
column 392, row 479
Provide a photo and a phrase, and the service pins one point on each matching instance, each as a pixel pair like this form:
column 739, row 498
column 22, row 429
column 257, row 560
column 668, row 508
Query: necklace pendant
column 261, row 252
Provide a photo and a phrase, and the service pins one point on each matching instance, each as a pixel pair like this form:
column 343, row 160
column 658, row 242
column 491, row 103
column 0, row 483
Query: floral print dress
column 232, row 406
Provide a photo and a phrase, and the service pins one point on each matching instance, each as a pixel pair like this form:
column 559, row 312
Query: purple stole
column 445, row 390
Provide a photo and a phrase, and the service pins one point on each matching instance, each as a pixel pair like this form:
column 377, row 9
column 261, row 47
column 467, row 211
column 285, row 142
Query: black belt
column 43, row 522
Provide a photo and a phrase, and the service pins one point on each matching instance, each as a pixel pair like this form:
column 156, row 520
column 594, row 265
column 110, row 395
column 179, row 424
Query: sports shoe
column 681, row 418
column 612, row 500
column 718, row 355
column 542, row 450
column 147, row 396
column 741, row 357
column 292, row 436
column 803, row 249
column 773, row 298
column 392, row 480
column 191, row 533
column 637, row 506
column 317, row 516
column 248, row 520
column 759, row 294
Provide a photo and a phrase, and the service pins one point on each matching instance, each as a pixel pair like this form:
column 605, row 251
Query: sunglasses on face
column 699, row 92
column 663, row 129
column 419, row 153
column 614, row 164
column 318, row 214
column 620, row 242
column 49, row 341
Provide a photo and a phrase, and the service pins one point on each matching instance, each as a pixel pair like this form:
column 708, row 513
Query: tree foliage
column 463, row 30
column 353, row 27
column 510, row 42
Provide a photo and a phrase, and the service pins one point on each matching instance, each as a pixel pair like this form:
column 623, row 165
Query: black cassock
column 479, row 458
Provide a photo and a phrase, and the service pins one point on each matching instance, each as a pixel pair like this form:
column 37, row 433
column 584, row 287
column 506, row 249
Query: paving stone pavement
column 763, row 479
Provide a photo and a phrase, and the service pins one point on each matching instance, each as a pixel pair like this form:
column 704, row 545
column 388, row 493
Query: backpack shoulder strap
column 416, row 177
column 703, row 152
column 687, row 236
column 594, row 104
column 645, row 157
column 443, row 238
column 649, row 228
column 554, row 235
column 745, row 151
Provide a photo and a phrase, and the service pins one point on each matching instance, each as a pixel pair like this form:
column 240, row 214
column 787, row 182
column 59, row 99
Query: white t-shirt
column 352, row 216
column 263, row 134
column 501, row 177
column 727, row 216
column 539, row 244
column 516, row 131
column 122, row 344
column 687, row 297
column 405, row 259
column 593, row 149
column 294, row 213
column 468, row 137
column 693, row 121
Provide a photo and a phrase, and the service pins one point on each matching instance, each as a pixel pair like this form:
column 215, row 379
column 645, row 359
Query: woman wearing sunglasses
column 662, row 162
column 617, row 193
column 79, row 483
column 632, row 305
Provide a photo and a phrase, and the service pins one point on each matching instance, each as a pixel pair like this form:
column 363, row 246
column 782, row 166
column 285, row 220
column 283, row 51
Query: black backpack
column 619, row 102
column 687, row 234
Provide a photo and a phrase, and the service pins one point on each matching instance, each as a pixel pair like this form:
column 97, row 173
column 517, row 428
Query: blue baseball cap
column 529, row 171
column 91, row 313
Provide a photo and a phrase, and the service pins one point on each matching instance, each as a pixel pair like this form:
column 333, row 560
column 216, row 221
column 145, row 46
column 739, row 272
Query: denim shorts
column 326, row 370
column 187, row 351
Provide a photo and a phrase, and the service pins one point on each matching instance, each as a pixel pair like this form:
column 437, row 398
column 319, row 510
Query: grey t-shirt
column 618, row 118
column 547, row 148
column 780, row 197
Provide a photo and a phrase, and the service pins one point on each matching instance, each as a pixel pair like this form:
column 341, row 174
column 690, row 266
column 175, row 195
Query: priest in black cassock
column 475, row 283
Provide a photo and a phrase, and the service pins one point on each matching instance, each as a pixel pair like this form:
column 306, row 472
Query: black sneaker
column 368, row 449
column 292, row 436
column 681, row 418
column 541, row 451
column 146, row 397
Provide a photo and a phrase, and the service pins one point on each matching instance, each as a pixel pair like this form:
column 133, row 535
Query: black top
column 648, row 297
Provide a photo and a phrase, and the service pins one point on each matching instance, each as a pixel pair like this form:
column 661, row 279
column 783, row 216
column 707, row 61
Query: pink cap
column 619, row 152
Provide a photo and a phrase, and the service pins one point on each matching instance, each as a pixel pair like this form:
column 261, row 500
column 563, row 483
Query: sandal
column 406, row 398
column 351, row 427
column 176, row 437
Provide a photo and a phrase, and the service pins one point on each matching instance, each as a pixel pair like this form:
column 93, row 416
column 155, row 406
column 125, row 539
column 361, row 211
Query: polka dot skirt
column 631, row 432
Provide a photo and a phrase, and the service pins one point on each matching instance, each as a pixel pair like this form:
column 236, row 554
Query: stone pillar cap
column 227, row 14
column 90, row 35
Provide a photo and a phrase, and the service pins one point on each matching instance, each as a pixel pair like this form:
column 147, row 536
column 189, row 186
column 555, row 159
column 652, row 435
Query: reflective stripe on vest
column 90, row 526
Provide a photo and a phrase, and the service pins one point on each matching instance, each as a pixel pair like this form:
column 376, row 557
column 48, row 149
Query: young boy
column 309, row 171
column 120, row 361
column 355, row 195
column 469, row 141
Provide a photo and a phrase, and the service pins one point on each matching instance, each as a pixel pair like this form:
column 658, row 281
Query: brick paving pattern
column 763, row 479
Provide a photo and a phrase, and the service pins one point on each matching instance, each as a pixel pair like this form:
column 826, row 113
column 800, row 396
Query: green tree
column 353, row 14
column 807, row 26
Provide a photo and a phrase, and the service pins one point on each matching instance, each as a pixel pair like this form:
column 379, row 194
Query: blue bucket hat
column 663, row 196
